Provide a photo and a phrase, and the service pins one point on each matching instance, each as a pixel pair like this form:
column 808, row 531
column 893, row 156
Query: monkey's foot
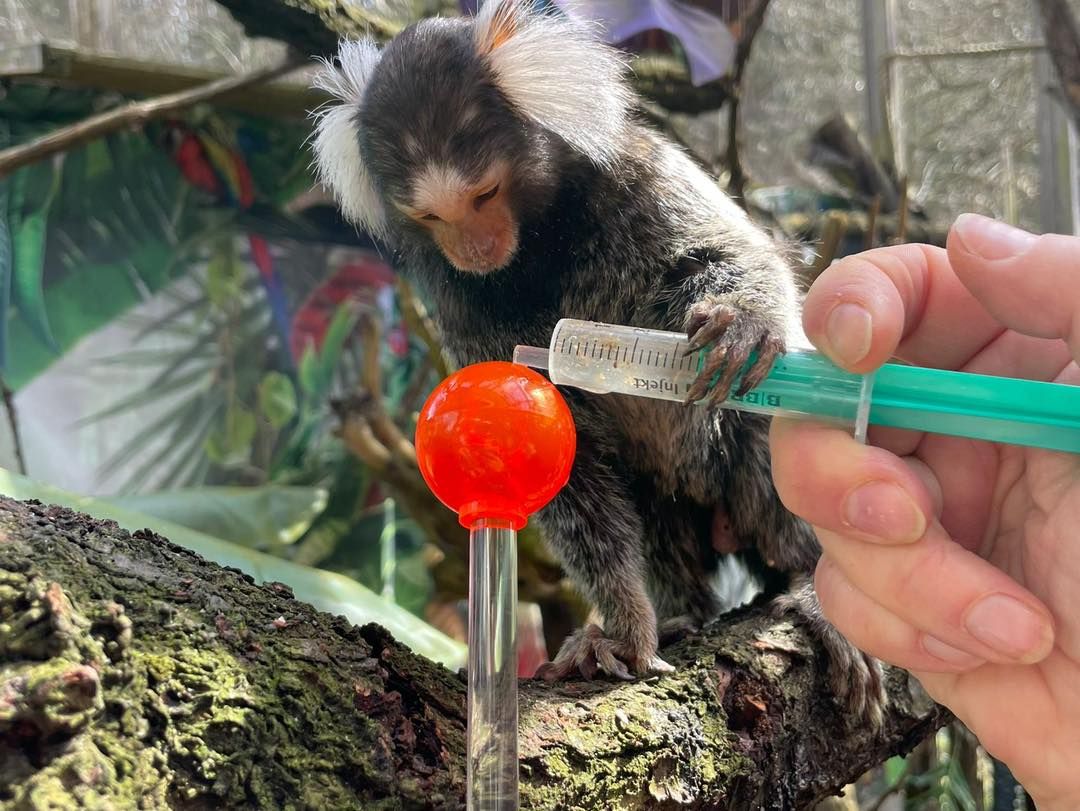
column 588, row 652
column 675, row 629
column 735, row 334
column 855, row 678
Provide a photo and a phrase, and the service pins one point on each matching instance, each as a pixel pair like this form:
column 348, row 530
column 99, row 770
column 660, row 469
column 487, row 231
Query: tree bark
column 134, row 674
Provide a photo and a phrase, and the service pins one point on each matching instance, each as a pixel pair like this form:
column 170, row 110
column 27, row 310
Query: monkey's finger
column 714, row 362
column 948, row 592
column 605, row 657
column 735, row 361
column 768, row 348
column 709, row 325
column 879, row 632
column 902, row 300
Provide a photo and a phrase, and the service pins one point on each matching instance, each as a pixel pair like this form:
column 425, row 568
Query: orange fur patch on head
column 504, row 24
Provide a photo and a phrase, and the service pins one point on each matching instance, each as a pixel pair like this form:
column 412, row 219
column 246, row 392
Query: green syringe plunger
column 606, row 358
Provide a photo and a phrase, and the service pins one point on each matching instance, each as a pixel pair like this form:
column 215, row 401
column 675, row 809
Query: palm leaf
column 6, row 257
column 28, row 282
column 185, row 441
column 256, row 517
column 161, row 386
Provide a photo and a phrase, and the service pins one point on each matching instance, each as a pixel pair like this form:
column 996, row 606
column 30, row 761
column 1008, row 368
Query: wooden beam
column 283, row 98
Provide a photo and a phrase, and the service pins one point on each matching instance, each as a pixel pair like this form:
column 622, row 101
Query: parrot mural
column 362, row 276
column 210, row 161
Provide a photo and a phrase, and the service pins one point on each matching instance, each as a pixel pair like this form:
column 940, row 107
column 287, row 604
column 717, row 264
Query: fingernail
column 886, row 511
column 1010, row 627
column 991, row 239
column 848, row 330
column 947, row 653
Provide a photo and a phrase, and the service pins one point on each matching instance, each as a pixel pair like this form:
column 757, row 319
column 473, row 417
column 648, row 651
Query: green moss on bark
column 135, row 675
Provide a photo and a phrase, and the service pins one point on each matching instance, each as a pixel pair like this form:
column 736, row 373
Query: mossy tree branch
column 134, row 674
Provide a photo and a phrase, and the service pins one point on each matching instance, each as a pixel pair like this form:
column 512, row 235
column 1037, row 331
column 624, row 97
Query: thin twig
column 388, row 434
column 902, row 214
column 418, row 322
column 134, row 115
column 831, row 234
column 737, row 176
column 13, row 423
column 871, row 221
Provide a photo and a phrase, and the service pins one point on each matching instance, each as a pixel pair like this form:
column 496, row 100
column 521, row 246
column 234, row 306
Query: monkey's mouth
column 487, row 258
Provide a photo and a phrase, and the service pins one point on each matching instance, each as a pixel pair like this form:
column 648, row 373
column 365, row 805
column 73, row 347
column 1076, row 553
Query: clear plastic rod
column 492, row 674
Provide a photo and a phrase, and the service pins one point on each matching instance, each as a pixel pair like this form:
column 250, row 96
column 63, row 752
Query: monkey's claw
column 588, row 652
column 735, row 334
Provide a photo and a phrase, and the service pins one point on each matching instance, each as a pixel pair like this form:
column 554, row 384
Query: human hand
column 955, row 559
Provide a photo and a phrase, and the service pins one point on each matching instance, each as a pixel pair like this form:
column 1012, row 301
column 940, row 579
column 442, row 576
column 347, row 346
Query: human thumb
column 1030, row 283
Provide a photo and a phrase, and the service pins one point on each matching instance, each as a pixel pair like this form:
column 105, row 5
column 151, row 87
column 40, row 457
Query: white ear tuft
column 556, row 71
column 339, row 165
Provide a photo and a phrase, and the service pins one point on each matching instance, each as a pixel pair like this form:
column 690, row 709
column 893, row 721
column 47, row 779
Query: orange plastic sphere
column 495, row 440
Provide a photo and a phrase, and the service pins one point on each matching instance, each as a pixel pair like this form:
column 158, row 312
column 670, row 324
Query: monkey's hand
column 735, row 332
column 855, row 678
column 587, row 651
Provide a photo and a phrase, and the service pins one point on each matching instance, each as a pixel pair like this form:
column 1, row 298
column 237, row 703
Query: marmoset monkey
column 500, row 158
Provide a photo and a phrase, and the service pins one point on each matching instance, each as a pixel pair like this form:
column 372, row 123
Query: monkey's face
column 458, row 134
column 455, row 163
column 471, row 219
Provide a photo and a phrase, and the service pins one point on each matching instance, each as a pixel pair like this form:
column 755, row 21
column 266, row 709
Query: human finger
column 902, row 300
column 822, row 474
column 879, row 632
column 948, row 592
column 1029, row 283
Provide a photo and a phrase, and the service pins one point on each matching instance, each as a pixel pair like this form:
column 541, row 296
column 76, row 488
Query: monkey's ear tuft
column 500, row 23
column 555, row 70
column 338, row 163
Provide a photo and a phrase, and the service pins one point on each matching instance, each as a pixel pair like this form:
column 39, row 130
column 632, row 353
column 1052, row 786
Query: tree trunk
column 134, row 674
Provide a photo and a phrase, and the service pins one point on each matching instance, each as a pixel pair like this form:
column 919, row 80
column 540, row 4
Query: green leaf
column 341, row 327
column 958, row 787
column 230, row 443
column 29, row 247
column 256, row 517
column 309, row 371
column 6, row 260
column 224, row 275
column 277, row 399
column 895, row 769
column 98, row 159
column 326, row 591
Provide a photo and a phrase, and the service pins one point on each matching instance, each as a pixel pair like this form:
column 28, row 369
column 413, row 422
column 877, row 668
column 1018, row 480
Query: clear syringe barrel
column 608, row 359
column 492, row 726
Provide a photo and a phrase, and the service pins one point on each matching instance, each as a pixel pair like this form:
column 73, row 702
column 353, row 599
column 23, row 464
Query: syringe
column 605, row 358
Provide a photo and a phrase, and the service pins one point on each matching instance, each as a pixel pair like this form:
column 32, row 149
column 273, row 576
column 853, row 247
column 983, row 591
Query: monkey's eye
column 431, row 217
column 483, row 198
